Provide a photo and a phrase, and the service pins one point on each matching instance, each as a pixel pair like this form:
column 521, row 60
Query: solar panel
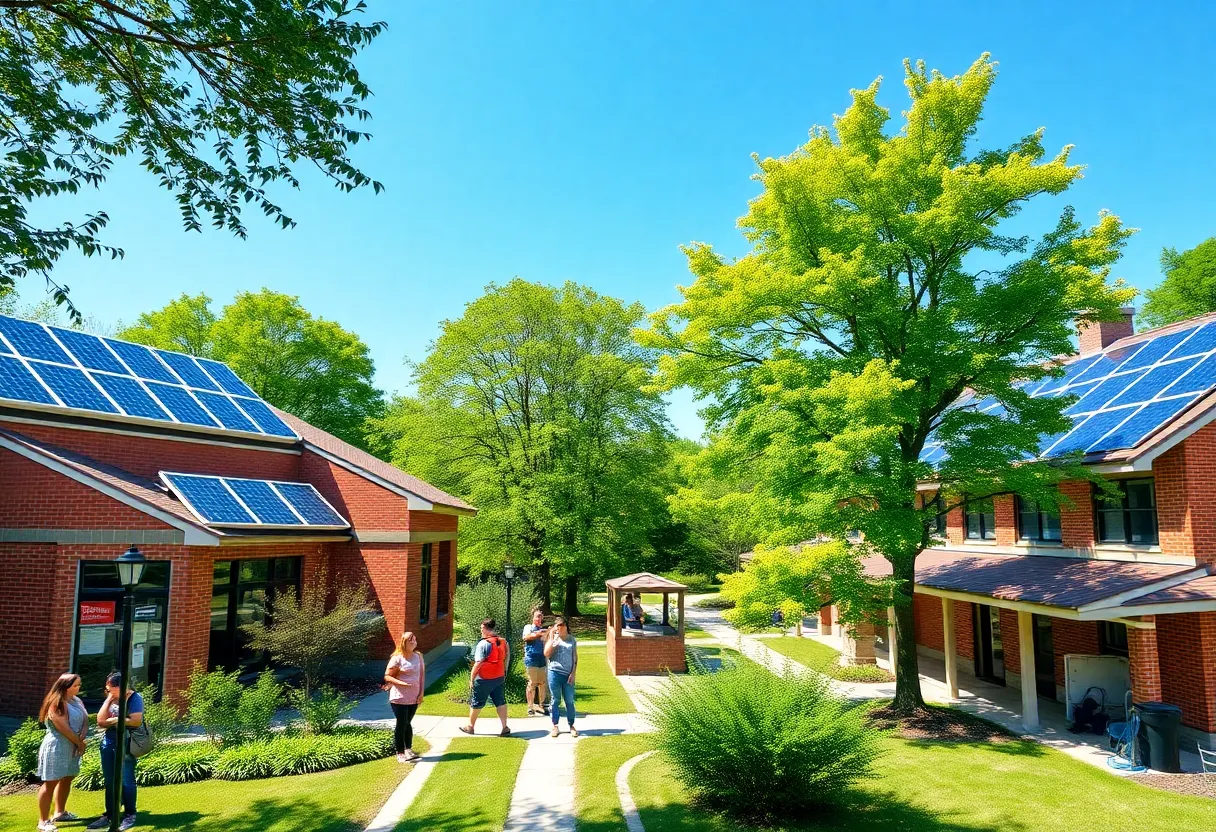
column 131, row 397
column 32, row 340
column 1154, row 382
column 1158, row 348
column 143, row 363
column 1104, row 391
column 187, row 370
column 89, row 351
column 265, row 503
column 227, row 379
column 19, row 384
column 309, row 504
column 209, row 499
column 179, row 402
column 73, row 387
column 1146, row 421
column 228, row 414
column 261, row 413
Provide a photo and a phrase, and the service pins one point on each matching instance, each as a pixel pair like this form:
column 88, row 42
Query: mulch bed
column 1192, row 784
column 18, row 788
column 939, row 725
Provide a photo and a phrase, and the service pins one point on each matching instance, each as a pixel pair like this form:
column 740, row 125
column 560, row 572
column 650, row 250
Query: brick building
column 104, row 444
column 1011, row 589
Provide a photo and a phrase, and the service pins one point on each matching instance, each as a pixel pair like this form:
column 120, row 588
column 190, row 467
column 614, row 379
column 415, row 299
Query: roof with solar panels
column 1135, row 399
column 53, row 374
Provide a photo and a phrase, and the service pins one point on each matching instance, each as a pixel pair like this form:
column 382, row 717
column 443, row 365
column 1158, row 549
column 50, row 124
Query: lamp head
column 130, row 565
column 508, row 569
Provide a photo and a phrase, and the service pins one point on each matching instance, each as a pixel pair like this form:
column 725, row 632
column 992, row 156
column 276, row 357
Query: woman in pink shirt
column 405, row 678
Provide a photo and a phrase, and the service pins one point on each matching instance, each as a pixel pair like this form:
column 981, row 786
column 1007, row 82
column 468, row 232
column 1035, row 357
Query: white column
column 891, row 648
column 1030, row 694
column 950, row 648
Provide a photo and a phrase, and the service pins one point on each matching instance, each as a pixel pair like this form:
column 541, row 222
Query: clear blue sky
column 588, row 140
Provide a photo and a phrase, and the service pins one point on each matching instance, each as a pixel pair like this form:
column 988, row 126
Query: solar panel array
column 229, row 501
column 48, row 365
column 1124, row 395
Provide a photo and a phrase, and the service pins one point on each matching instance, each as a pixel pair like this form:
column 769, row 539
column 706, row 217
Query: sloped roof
column 645, row 582
column 368, row 464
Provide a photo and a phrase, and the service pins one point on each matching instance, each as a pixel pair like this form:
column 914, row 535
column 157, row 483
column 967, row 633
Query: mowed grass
column 342, row 800
column 596, row 690
column 820, row 657
column 1018, row 786
column 596, row 760
column 469, row 790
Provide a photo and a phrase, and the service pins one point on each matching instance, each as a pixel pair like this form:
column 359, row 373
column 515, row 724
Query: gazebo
column 656, row 647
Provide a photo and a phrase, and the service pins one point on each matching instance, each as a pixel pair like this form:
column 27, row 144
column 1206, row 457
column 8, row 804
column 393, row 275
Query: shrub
column 229, row 712
column 861, row 673
column 695, row 581
column 10, row 771
column 170, row 763
column 257, row 707
column 762, row 747
column 715, row 602
column 321, row 711
column 161, row 717
column 90, row 777
column 301, row 754
column 23, row 746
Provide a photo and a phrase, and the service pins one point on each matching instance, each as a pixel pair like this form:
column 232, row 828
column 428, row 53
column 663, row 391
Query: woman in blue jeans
column 562, row 652
column 107, row 718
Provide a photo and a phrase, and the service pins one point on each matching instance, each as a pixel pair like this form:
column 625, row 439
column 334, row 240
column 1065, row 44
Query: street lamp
column 130, row 565
column 508, row 572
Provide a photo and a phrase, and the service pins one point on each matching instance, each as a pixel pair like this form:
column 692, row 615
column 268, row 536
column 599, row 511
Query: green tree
column 879, row 303
column 1189, row 287
column 218, row 99
column 310, row 367
column 533, row 406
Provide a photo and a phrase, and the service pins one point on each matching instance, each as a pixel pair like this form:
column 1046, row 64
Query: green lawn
column 596, row 690
column 820, row 657
column 596, row 760
column 469, row 790
column 1018, row 786
column 342, row 800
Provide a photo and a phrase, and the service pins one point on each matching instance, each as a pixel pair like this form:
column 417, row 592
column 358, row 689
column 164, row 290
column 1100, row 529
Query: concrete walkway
column 543, row 798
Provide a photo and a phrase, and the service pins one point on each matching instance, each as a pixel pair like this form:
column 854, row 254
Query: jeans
column 403, row 733
column 128, row 779
column 560, row 687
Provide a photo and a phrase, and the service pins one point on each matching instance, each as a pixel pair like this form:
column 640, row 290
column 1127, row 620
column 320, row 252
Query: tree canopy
column 1189, row 287
column 310, row 367
column 218, row 99
column 879, row 289
column 534, row 406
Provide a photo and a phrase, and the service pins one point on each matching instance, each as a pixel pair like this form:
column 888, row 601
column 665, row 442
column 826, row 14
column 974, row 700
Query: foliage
column 322, row 711
column 305, row 635
column 216, row 100
column 1189, row 287
column 479, row 600
column 24, row 743
column 715, row 602
column 696, row 583
column 229, row 712
column 167, row 764
column 310, row 367
column 863, row 673
column 10, row 771
column 722, row 510
column 161, row 717
column 881, row 300
column 759, row 746
column 535, row 407
column 286, row 754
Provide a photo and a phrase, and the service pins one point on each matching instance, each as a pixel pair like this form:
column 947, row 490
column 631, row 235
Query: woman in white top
column 405, row 678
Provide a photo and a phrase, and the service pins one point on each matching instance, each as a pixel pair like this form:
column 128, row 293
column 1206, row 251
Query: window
column 445, row 578
column 424, row 608
column 938, row 505
column 1112, row 638
column 981, row 521
column 1130, row 517
column 240, row 591
column 1036, row 522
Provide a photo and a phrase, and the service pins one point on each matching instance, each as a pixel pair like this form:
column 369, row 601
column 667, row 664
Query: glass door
column 1044, row 657
column 989, row 648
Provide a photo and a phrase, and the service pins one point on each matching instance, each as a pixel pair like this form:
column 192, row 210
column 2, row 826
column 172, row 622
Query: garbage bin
column 1159, row 724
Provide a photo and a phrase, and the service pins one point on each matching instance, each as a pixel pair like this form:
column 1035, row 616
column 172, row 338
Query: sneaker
column 47, row 826
column 102, row 822
column 412, row 756
column 464, row 729
column 553, row 731
column 506, row 732
column 127, row 822
column 573, row 731
column 401, row 758
column 64, row 816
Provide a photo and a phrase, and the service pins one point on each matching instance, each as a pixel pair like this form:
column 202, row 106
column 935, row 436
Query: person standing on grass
column 406, row 680
column 561, row 650
column 535, row 665
column 67, row 724
column 491, row 658
column 107, row 718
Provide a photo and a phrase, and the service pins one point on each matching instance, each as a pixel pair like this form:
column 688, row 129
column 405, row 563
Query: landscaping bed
column 939, row 724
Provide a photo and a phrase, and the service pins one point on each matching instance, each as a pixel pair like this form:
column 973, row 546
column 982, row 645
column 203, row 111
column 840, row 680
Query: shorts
column 491, row 689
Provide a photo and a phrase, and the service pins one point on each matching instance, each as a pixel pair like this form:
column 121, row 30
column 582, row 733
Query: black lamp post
column 508, row 572
column 130, row 566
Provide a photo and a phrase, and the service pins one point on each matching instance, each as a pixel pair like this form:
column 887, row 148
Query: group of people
column 632, row 614
column 63, row 745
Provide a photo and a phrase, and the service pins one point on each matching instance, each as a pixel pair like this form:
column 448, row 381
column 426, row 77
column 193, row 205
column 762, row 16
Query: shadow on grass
column 259, row 815
column 456, row 819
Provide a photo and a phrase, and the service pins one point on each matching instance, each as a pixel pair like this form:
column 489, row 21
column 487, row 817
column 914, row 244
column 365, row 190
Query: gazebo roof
column 645, row 582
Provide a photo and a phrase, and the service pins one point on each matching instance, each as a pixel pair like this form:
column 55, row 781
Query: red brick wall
column 146, row 456
column 927, row 621
column 1145, row 668
column 35, row 497
column 1096, row 336
column 964, row 629
column 430, row 521
column 365, row 504
column 1186, row 647
column 1185, row 482
column 30, row 607
column 1004, row 508
column 955, row 533
column 1010, row 642
column 632, row 656
column 1069, row 636
column 1077, row 519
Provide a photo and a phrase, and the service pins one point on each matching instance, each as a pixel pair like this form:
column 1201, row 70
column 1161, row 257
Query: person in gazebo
column 632, row 614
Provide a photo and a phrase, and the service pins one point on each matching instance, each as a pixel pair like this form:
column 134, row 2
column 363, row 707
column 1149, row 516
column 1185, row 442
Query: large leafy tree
column 879, row 302
column 534, row 406
column 218, row 99
column 310, row 367
column 1189, row 287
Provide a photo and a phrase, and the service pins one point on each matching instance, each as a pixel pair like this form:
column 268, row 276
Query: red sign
column 96, row 612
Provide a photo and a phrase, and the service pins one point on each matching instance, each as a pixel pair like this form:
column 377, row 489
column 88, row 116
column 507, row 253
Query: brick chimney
column 1097, row 336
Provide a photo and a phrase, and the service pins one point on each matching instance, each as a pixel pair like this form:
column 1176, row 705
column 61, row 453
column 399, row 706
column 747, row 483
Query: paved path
column 543, row 799
column 401, row 798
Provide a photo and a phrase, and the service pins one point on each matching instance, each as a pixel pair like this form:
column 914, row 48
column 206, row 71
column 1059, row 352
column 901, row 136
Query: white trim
column 194, row 536
column 1030, row 606
column 285, row 538
column 413, row 501
column 1162, row 608
column 293, row 449
column 1112, row 553
column 1147, row 589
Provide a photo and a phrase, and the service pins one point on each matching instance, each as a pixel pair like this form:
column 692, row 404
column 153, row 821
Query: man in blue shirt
column 535, row 665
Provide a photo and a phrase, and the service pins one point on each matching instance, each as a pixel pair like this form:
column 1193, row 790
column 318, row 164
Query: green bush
column 286, row 754
column 90, row 778
column 761, row 747
column 257, row 708
column 229, row 712
column 168, row 764
column 24, row 743
column 860, row 673
column 696, row 582
column 10, row 771
column 162, row 717
column 322, row 711
column 715, row 602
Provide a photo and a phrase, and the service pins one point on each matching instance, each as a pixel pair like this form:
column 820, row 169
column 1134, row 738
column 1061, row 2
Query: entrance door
column 989, row 650
column 1044, row 657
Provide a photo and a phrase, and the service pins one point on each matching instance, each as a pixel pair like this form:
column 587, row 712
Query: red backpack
column 492, row 665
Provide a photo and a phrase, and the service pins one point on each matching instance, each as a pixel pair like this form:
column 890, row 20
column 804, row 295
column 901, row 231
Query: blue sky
column 586, row 141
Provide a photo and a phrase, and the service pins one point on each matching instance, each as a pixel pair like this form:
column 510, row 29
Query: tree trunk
column 570, row 607
column 544, row 586
column 908, row 698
